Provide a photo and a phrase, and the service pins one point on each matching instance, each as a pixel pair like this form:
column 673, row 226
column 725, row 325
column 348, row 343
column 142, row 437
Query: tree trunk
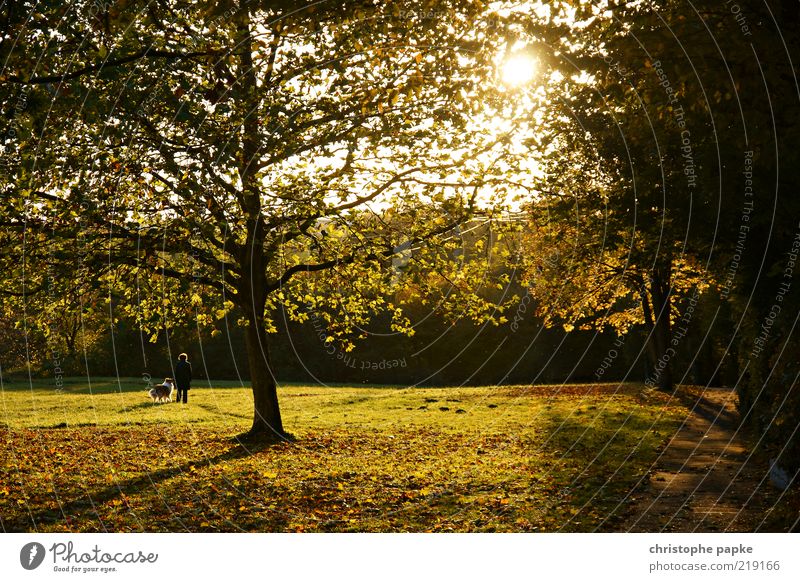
column 253, row 288
column 662, row 329
column 652, row 353
column 267, row 414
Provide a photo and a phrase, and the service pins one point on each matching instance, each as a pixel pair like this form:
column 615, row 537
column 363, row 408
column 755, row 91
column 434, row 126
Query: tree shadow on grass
column 87, row 502
column 142, row 406
column 217, row 410
column 713, row 412
column 600, row 457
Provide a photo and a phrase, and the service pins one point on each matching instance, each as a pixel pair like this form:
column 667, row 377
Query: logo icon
column 31, row 555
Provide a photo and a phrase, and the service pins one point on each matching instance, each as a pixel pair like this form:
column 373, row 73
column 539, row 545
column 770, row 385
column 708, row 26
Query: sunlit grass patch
column 366, row 459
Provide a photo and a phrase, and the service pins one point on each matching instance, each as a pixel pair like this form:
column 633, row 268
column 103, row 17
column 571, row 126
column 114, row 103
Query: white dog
column 162, row 392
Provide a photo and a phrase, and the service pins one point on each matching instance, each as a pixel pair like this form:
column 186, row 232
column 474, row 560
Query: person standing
column 183, row 377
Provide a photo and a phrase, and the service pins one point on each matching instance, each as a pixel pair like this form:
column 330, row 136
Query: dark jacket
column 183, row 375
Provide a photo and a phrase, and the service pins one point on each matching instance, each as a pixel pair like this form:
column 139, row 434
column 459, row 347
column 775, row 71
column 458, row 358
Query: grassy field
column 100, row 457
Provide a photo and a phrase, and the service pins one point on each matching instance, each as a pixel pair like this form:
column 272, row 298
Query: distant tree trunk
column 662, row 328
column 656, row 305
column 652, row 355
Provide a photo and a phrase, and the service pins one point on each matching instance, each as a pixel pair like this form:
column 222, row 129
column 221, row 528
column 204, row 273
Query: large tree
column 209, row 158
column 652, row 118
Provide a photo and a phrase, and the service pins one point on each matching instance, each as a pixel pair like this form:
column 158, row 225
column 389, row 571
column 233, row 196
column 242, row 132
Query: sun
column 518, row 70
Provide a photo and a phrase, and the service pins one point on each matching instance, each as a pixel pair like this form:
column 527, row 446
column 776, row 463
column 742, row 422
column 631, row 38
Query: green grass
column 101, row 457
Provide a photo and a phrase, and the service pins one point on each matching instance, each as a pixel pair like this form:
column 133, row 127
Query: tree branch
column 147, row 53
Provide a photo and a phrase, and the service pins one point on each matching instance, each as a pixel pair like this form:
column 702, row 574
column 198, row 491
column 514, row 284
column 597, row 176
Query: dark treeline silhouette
column 517, row 352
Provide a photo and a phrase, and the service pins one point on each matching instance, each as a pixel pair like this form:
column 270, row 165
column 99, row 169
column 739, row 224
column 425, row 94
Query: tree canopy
column 193, row 159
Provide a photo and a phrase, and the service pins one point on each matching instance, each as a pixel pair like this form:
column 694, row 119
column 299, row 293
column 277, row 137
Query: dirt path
column 704, row 481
